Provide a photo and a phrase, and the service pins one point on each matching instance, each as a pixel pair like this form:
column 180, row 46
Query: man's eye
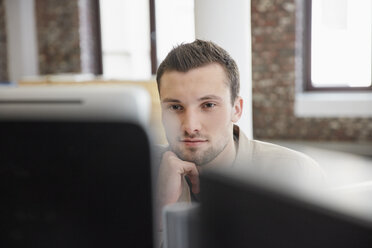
column 176, row 107
column 209, row 105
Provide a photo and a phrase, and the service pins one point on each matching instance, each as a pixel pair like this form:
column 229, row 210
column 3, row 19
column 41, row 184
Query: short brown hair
column 197, row 54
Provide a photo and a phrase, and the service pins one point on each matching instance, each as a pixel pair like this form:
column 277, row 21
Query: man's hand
column 170, row 179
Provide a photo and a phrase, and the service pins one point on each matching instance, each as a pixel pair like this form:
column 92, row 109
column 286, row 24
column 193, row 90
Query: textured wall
column 58, row 36
column 273, row 71
column 3, row 50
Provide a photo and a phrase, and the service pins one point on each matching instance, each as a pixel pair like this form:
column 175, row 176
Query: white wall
column 228, row 24
column 21, row 39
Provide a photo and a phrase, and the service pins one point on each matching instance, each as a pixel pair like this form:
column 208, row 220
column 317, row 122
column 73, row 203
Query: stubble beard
column 198, row 157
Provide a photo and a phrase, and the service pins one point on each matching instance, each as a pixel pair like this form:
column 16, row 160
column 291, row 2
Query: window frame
column 307, row 82
column 153, row 55
column 96, row 19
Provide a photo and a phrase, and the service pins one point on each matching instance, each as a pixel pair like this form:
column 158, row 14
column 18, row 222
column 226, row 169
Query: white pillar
column 21, row 39
column 228, row 24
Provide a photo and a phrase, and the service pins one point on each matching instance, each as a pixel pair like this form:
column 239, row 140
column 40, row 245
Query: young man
column 198, row 85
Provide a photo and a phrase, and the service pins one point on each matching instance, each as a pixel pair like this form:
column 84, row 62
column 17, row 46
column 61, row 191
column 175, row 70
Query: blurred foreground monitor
column 244, row 211
column 89, row 103
column 74, row 168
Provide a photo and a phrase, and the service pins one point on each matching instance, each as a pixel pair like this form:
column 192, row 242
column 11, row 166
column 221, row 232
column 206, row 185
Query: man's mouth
column 194, row 142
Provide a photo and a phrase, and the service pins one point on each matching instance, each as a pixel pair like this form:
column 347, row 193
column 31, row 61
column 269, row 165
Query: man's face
column 197, row 113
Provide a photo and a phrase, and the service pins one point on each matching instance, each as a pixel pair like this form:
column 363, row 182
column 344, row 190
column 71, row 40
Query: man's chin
column 199, row 158
column 190, row 156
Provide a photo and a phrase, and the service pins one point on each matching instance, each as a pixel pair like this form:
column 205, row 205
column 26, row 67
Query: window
column 338, row 45
column 125, row 32
column 333, row 58
column 137, row 35
column 174, row 25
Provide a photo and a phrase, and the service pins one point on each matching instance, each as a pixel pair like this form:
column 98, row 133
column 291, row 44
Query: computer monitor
column 239, row 211
column 75, row 182
column 79, row 102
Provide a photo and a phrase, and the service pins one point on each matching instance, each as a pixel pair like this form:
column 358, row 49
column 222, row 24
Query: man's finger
column 192, row 172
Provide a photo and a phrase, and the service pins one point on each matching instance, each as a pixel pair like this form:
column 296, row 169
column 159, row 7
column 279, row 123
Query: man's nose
column 191, row 123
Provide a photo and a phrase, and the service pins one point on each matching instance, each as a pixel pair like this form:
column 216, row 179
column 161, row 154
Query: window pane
column 341, row 43
column 174, row 24
column 125, row 27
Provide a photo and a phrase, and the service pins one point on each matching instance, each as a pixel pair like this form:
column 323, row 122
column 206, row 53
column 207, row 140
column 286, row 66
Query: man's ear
column 237, row 109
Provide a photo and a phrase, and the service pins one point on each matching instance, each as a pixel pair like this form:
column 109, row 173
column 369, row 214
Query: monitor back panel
column 242, row 214
column 74, row 184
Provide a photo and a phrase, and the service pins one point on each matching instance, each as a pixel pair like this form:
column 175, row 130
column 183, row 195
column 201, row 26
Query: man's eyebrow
column 207, row 97
column 210, row 97
column 170, row 100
